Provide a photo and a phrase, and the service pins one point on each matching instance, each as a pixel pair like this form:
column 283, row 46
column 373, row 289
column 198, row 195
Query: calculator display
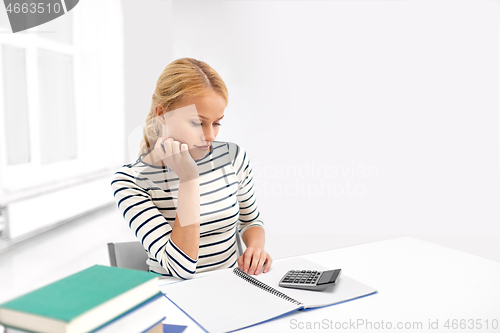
column 329, row 276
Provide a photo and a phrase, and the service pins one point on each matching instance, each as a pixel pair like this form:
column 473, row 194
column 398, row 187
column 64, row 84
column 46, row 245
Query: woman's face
column 195, row 122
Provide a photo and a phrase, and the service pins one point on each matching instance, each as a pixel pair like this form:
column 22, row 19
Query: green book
column 80, row 302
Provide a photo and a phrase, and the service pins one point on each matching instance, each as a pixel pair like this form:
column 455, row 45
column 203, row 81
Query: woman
column 187, row 195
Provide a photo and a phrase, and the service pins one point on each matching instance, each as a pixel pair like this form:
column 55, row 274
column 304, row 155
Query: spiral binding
column 264, row 286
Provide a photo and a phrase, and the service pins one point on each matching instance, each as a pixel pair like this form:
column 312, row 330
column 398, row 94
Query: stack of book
column 98, row 299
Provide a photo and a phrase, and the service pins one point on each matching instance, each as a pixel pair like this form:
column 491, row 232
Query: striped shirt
column 147, row 198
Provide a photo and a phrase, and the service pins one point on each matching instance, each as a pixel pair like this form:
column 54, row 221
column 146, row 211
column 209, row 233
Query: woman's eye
column 199, row 124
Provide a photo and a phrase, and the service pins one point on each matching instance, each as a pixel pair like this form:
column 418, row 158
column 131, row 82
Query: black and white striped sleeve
column 148, row 224
column 247, row 200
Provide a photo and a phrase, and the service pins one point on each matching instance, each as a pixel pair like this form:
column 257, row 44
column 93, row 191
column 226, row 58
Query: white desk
column 417, row 282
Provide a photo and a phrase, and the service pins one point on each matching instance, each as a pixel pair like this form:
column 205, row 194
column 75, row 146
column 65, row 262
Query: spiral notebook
column 230, row 300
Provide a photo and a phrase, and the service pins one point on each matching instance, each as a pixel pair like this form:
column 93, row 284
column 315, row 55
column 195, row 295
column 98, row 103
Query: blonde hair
column 181, row 79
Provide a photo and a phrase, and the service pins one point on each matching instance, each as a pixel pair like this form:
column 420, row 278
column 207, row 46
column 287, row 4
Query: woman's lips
column 203, row 147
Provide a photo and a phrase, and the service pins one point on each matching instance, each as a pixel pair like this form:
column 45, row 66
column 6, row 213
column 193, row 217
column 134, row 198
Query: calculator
column 310, row 280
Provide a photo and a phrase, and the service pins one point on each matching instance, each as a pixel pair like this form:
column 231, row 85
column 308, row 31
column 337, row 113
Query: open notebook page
column 345, row 288
column 224, row 301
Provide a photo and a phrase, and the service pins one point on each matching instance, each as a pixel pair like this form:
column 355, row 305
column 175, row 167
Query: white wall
column 396, row 102
column 148, row 49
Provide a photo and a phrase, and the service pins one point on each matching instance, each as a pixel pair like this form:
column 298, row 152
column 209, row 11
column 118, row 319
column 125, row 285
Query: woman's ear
column 159, row 114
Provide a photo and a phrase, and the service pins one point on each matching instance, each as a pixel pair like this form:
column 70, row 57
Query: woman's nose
column 209, row 134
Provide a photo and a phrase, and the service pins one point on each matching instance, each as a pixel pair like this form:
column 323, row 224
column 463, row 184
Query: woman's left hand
column 253, row 259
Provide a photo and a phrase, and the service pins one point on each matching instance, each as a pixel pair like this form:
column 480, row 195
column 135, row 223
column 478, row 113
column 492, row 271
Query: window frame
column 14, row 178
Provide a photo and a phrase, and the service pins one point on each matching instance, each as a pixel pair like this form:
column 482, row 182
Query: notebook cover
column 350, row 289
column 237, row 329
column 169, row 328
column 345, row 289
column 76, row 294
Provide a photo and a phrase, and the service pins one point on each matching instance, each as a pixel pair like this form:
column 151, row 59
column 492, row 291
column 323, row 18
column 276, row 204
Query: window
column 37, row 103
column 16, row 122
column 58, row 106
column 57, row 111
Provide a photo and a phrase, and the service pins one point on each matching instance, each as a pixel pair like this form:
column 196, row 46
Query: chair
column 128, row 255
column 132, row 255
column 239, row 250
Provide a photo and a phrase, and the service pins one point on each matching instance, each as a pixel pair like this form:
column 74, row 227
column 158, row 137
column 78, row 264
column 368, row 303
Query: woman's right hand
column 177, row 157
